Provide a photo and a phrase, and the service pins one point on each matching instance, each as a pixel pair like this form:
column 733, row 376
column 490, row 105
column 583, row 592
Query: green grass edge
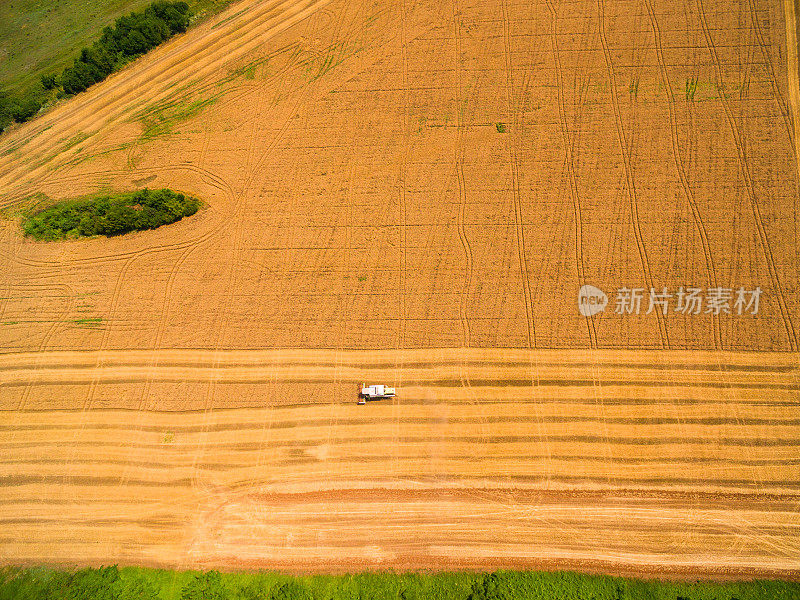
column 151, row 584
column 25, row 86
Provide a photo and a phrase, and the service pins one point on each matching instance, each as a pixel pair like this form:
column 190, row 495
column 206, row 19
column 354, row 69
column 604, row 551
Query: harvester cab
column 374, row 392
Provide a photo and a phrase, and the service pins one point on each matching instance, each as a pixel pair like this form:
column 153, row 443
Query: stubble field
column 413, row 193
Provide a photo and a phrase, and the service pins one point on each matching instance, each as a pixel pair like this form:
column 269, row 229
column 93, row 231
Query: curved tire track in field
column 167, row 68
column 626, row 160
column 679, row 167
column 462, row 198
column 465, row 245
column 568, row 151
column 69, row 293
column 210, row 178
column 401, row 197
column 791, row 334
column 187, row 247
column 779, row 99
column 165, row 306
column 519, row 226
column 793, row 75
column 252, row 173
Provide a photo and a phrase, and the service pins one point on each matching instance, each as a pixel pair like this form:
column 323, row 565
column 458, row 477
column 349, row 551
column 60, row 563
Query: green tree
column 8, row 108
column 291, row 590
column 100, row 61
column 130, row 37
column 490, row 587
column 145, row 209
column 20, row 585
column 49, row 81
column 77, row 78
column 204, row 586
column 88, row 584
column 89, row 225
column 29, row 105
column 119, row 219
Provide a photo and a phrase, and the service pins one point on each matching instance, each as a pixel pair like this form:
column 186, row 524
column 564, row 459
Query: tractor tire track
column 465, row 245
column 216, row 52
column 462, row 199
column 188, row 248
column 69, row 293
column 514, row 164
column 790, row 11
column 404, row 154
column 679, row 167
column 225, row 50
column 568, row 151
column 765, row 52
column 252, row 173
column 751, row 194
column 630, row 186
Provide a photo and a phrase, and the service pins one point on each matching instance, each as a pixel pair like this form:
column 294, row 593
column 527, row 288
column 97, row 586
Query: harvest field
column 40, row 38
column 412, row 193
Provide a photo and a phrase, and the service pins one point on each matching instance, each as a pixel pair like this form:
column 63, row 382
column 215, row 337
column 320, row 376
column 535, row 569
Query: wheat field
column 413, row 193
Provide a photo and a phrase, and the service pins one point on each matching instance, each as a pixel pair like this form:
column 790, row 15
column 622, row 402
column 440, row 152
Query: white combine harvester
column 374, row 392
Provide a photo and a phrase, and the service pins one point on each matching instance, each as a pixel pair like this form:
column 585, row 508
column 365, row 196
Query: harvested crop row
column 687, row 482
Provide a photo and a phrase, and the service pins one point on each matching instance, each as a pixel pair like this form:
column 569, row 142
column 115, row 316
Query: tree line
column 109, row 215
column 130, row 37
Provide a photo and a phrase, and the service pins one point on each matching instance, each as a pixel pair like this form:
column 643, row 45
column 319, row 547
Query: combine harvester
column 374, row 392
